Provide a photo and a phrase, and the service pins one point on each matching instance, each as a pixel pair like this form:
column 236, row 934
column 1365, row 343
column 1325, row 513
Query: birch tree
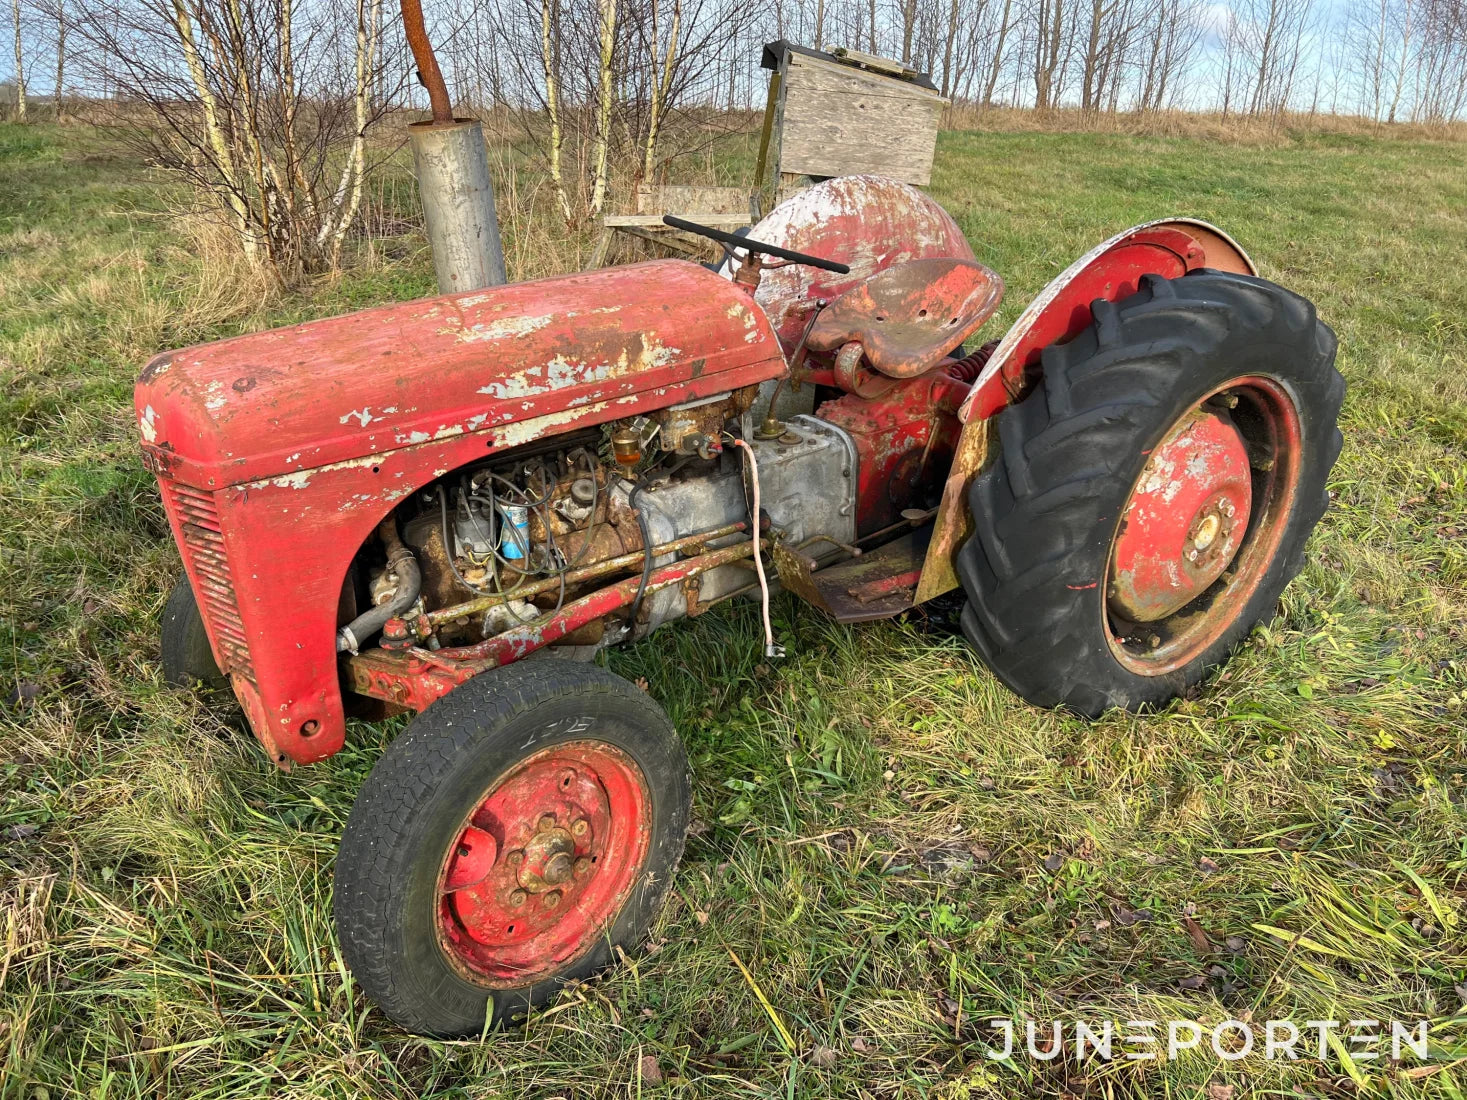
column 264, row 108
column 19, row 64
column 602, row 138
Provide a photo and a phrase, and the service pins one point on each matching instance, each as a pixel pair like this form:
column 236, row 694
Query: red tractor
column 393, row 510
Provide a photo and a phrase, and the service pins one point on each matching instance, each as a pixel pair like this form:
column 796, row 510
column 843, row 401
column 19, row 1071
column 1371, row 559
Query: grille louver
column 204, row 547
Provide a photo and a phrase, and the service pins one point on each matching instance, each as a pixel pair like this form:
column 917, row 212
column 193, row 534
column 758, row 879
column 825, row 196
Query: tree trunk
column 602, row 142
column 997, row 67
column 19, row 67
column 661, row 88
column 947, row 51
column 1401, row 68
column 1089, row 92
column 1265, row 61
column 60, row 54
column 213, row 129
column 369, row 26
column 548, row 23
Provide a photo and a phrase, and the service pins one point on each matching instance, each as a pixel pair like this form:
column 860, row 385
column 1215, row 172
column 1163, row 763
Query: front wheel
column 522, row 829
column 1152, row 497
column 188, row 660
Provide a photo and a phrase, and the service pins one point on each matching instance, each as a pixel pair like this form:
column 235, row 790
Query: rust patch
column 954, row 525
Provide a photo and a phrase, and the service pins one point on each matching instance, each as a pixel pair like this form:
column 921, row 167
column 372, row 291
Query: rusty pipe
column 584, row 573
column 428, row 71
column 401, row 562
column 522, row 640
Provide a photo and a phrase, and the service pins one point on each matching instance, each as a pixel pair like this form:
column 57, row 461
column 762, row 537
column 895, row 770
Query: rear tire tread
column 1033, row 570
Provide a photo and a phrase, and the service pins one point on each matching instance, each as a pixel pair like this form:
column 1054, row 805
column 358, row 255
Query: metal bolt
column 518, row 898
column 581, row 827
column 1191, row 554
column 515, row 858
column 1226, row 507
column 583, row 867
column 547, row 821
column 1154, row 640
column 552, row 899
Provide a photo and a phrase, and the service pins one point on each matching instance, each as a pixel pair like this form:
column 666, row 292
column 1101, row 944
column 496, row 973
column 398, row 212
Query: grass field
column 896, row 847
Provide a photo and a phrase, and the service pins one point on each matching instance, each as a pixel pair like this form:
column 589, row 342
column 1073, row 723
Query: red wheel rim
column 1202, row 524
column 543, row 863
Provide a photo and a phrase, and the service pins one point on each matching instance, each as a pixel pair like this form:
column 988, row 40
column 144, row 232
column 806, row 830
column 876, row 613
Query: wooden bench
column 720, row 207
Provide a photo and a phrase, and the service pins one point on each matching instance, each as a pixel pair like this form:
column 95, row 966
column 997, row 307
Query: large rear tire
column 1152, row 497
column 522, row 830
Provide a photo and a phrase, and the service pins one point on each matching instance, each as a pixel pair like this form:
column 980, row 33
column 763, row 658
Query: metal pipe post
column 452, row 167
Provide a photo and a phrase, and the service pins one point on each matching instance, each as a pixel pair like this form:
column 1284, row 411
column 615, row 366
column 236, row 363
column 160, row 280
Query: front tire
column 188, row 659
column 1153, row 495
column 522, row 829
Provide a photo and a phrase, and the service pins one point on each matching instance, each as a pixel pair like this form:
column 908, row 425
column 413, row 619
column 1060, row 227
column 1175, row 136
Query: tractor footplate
column 876, row 585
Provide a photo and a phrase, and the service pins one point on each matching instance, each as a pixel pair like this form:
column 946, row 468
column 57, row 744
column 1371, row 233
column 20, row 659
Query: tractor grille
column 204, row 548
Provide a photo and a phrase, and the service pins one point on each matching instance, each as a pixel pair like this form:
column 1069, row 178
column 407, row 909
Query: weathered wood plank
column 836, row 120
column 623, row 221
column 674, row 198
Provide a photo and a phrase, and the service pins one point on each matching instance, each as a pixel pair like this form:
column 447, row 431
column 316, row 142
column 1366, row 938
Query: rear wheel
column 1152, row 497
column 521, row 830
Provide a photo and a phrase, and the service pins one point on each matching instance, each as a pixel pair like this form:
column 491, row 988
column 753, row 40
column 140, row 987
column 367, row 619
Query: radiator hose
column 401, row 562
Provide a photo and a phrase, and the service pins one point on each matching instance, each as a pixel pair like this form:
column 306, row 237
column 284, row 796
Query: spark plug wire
column 770, row 649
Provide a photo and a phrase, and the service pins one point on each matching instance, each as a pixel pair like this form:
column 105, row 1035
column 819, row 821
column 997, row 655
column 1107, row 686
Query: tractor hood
column 581, row 349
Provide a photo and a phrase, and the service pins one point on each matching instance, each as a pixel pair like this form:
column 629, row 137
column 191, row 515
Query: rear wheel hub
column 1202, row 525
column 1185, row 519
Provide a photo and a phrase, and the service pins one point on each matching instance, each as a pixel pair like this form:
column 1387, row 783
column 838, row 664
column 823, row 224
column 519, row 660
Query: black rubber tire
column 415, row 800
column 1045, row 510
column 188, row 661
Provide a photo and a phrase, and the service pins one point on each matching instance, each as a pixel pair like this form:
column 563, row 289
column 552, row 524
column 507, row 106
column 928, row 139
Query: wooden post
column 771, row 105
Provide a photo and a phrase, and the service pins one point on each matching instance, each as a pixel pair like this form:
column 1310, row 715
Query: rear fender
column 1109, row 271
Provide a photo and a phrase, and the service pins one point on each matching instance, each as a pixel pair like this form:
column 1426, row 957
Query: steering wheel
column 731, row 241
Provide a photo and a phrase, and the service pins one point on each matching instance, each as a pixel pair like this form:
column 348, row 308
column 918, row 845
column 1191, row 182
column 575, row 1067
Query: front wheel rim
column 543, row 864
column 1202, row 525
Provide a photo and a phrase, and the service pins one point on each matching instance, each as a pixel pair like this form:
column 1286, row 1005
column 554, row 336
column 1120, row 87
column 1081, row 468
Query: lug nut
column 583, row 867
column 552, row 899
column 581, row 828
column 515, row 858
column 1154, row 640
column 1227, row 508
column 518, row 898
column 547, row 821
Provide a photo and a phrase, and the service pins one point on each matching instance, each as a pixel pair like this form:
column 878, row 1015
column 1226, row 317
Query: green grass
column 875, row 815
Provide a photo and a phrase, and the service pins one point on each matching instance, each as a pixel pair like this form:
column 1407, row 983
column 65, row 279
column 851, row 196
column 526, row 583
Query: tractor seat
column 907, row 317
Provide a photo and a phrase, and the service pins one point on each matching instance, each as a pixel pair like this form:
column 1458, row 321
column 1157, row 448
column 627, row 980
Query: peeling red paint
column 293, row 492
column 375, row 381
